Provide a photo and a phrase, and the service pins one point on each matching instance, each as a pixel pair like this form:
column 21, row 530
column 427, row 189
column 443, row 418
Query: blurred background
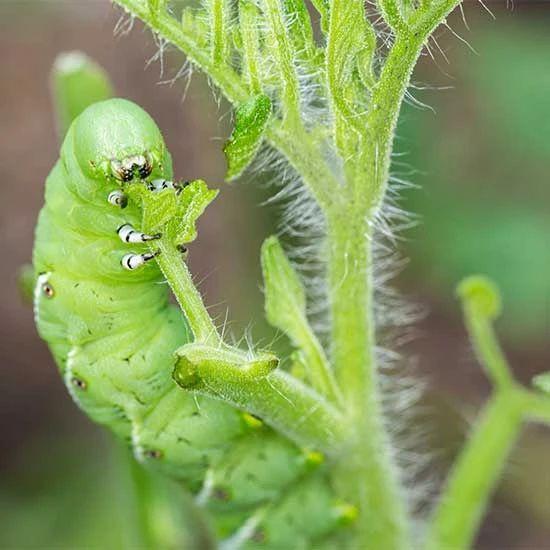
column 480, row 156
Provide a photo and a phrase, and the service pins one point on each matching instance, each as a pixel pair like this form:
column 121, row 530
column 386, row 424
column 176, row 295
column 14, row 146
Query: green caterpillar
column 107, row 319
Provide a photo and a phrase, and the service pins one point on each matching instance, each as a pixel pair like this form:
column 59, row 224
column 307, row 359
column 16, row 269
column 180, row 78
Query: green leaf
column 542, row 382
column 159, row 208
column 77, row 82
column 174, row 213
column 251, row 120
column 285, row 307
column 285, row 298
column 191, row 203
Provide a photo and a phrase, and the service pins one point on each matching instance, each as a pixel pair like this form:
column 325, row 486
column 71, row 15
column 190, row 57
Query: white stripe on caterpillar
column 133, row 261
column 118, row 198
column 41, row 280
column 128, row 234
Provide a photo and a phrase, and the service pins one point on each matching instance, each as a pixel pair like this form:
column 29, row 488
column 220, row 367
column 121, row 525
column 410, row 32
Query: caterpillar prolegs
column 113, row 334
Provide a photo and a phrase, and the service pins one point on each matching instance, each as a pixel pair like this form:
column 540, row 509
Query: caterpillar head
column 117, row 141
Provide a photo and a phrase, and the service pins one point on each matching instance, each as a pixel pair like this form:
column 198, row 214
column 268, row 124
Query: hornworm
column 113, row 332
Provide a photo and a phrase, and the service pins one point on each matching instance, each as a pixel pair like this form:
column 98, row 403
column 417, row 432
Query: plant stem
column 188, row 297
column 368, row 474
column 537, row 406
column 280, row 400
column 373, row 475
column 382, row 120
column 295, row 143
column 475, row 475
column 486, row 346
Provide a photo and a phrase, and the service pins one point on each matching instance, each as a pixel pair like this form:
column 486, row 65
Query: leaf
column 158, row 209
column 191, row 203
column 285, row 308
column 285, row 300
column 251, row 120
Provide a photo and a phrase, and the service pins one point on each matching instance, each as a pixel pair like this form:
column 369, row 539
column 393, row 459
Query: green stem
column 297, row 145
column 220, row 36
column 372, row 475
column 280, row 400
column 319, row 369
column 382, row 120
column 369, row 474
column 248, row 19
column 392, row 14
column 536, row 405
column 158, row 513
column 143, row 492
column 486, row 346
column 282, row 54
column 476, row 473
column 188, row 297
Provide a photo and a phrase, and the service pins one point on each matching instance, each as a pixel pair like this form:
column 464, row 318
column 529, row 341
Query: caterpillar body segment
column 113, row 334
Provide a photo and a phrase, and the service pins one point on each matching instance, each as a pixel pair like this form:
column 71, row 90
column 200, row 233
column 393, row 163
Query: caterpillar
column 112, row 330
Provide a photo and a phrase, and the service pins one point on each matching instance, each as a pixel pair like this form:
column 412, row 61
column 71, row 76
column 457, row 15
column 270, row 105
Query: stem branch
column 297, row 145
column 475, row 475
column 188, row 297
column 276, row 397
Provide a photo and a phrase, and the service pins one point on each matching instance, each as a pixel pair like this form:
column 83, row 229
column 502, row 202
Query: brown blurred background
column 484, row 201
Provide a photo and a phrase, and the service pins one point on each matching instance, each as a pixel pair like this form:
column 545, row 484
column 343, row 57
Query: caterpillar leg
column 133, row 261
column 128, row 234
column 161, row 184
column 118, row 198
column 183, row 249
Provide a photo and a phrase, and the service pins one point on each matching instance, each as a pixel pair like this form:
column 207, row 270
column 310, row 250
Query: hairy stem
column 276, row 397
column 369, row 475
column 282, row 53
column 187, row 295
column 373, row 476
column 297, row 146
column 370, row 188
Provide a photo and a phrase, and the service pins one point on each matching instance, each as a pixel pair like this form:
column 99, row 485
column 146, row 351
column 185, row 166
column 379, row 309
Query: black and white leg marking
column 133, row 261
column 118, row 198
column 183, row 249
column 128, row 234
column 161, row 184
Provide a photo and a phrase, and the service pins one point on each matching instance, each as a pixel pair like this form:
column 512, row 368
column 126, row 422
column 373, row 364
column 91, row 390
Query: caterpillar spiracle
column 113, row 332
